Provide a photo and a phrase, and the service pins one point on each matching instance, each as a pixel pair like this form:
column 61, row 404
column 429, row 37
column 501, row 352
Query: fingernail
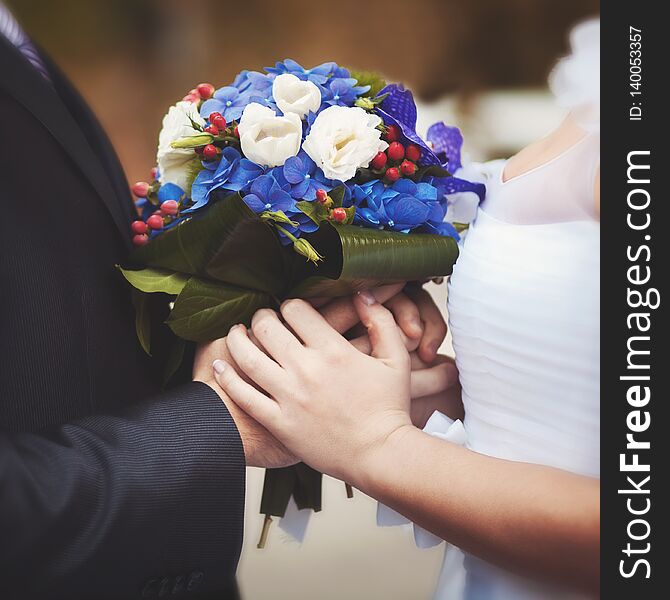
column 219, row 366
column 367, row 298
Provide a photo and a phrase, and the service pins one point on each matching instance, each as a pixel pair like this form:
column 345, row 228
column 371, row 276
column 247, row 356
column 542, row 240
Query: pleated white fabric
column 524, row 312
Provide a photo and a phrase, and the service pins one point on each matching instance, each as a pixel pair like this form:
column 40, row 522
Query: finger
column 275, row 337
column 341, row 313
column 382, row 329
column 418, row 364
column 406, row 314
column 362, row 344
column 254, row 363
column 435, row 329
column 433, row 380
column 253, row 402
column 309, row 324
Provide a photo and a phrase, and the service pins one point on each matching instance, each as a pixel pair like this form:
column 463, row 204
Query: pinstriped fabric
column 10, row 28
column 108, row 487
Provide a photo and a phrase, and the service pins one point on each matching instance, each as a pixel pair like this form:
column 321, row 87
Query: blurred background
column 478, row 64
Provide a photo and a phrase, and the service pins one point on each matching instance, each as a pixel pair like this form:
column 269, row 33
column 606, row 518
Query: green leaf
column 193, row 141
column 188, row 247
column 359, row 258
column 430, row 171
column 337, row 195
column 142, row 320
column 460, row 227
column 156, row 280
column 300, row 481
column 314, row 210
column 205, row 311
column 374, row 80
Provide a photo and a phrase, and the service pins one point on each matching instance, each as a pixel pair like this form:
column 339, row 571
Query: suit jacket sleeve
column 123, row 506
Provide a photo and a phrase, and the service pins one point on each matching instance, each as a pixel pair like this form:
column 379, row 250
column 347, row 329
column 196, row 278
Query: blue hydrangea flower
column 303, row 225
column 318, row 75
column 170, row 191
column 228, row 100
column 232, row 173
column 342, row 91
column 267, row 195
column 304, row 177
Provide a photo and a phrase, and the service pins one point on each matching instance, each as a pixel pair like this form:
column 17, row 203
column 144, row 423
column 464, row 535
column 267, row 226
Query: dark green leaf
column 156, row 280
column 142, row 320
column 300, row 481
column 188, row 247
column 337, row 195
column 358, row 258
column 430, row 171
column 205, row 311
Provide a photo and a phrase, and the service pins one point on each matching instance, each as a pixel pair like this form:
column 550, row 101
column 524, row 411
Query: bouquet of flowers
column 289, row 183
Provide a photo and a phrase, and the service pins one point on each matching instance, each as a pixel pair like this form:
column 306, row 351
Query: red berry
column 413, row 152
column 205, row 90
column 155, row 222
column 140, row 189
column 407, row 167
column 190, row 98
column 213, row 129
column 392, row 133
column 170, row 207
column 216, row 119
column 139, row 227
column 321, row 195
column 209, row 152
column 392, row 174
column 236, row 132
column 339, row 215
column 396, row 151
column 379, row 161
column 140, row 239
column 154, row 173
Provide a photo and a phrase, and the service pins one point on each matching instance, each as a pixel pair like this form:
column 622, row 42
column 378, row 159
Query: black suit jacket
column 109, row 488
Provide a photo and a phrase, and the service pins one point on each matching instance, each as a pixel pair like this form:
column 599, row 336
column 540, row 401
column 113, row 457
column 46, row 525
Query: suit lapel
column 27, row 86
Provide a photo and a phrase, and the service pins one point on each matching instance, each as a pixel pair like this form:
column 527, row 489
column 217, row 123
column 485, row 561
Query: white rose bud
column 173, row 163
column 295, row 96
column 267, row 139
column 343, row 139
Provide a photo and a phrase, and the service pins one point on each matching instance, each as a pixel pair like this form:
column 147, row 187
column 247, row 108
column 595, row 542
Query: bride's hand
column 435, row 386
column 420, row 321
column 329, row 403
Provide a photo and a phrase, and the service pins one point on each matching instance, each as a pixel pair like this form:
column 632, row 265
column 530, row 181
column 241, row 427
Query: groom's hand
column 261, row 448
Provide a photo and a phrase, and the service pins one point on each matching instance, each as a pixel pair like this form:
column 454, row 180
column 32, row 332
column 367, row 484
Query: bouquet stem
column 264, row 532
column 349, row 490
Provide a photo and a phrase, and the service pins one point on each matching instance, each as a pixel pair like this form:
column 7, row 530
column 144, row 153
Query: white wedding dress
column 524, row 312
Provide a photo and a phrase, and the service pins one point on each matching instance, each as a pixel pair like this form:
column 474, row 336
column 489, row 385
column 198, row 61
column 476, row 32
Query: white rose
column 267, row 139
column 342, row 139
column 173, row 163
column 295, row 96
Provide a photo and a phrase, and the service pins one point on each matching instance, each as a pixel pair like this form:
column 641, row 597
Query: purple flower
column 228, row 100
column 304, row 177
